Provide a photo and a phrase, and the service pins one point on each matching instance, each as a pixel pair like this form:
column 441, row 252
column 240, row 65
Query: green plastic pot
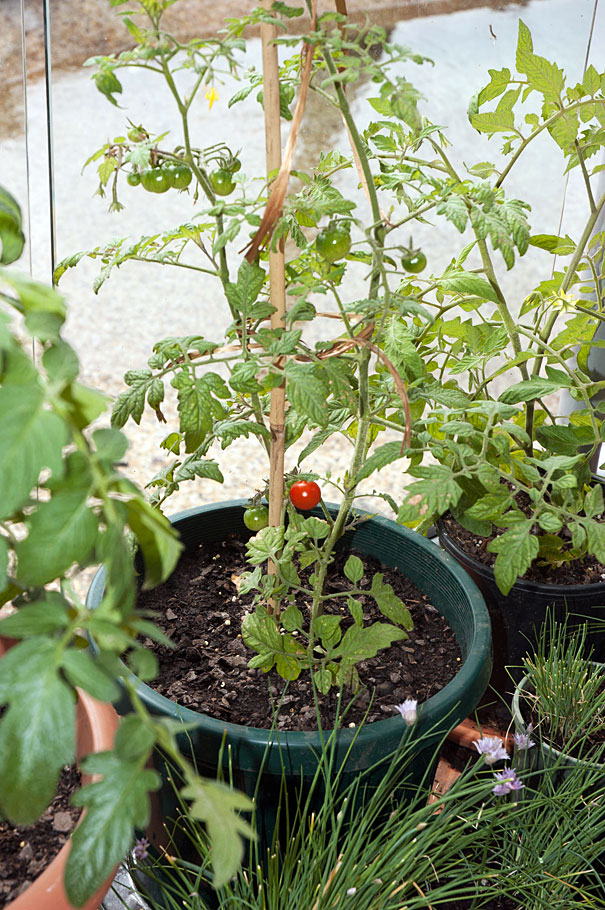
column 293, row 755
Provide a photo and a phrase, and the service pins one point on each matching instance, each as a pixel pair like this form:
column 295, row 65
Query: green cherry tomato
column 221, row 181
column 155, row 180
column 180, row 175
column 413, row 261
column 133, row 179
column 305, row 494
column 235, row 165
column 256, row 518
column 137, row 134
column 333, row 243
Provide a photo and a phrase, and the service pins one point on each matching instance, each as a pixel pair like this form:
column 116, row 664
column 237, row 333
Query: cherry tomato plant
column 407, row 366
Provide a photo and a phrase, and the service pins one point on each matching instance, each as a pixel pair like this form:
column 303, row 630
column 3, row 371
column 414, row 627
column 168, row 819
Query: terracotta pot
column 96, row 727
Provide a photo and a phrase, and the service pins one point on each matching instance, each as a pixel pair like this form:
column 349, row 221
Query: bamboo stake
column 277, row 281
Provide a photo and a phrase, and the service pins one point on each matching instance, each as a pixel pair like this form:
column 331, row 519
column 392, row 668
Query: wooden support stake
column 277, row 281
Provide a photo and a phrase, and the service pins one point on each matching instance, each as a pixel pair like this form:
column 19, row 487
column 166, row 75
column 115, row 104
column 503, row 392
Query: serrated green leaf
column 250, row 280
column 143, row 663
column 468, row 283
column 327, row 627
column 356, row 610
column 110, row 445
column 265, row 544
column 363, row 643
column 134, row 739
column 389, row 604
column 528, row 390
column 115, row 805
column 218, row 806
column 158, row 540
column 43, row 617
column 82, row 670
column 516, row 549
column 455, row 210
column 595, row 534
column 384, row 455
column 61, row 533
column 560, row 246
column 432, row 496
column 550, row 522
column 307, row 392
column 12, row 238
column 492, row 505
column 31, row 438
column 291, row 618
column 34, row 296
column 37, row 732
column 353, row 568
column 543, row 76
column 593, row 501
column 323, row 680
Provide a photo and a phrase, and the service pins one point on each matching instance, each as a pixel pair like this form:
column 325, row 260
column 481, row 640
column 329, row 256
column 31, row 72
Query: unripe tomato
column 180, row 175
column 256, row 518
column 413, row 261
column 333, row 242
column 155, row 180
column 137, row 134
column 133, row 179
column 221, row 181
column 305, row 494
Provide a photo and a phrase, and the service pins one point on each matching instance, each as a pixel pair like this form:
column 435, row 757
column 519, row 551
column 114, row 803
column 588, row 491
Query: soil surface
column 26, row 851
column 200, row 610
column 577, row 572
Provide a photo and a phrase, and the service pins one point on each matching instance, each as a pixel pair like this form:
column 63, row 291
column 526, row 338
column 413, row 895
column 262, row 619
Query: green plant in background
column 475, row 844
column 64, row 506
column 417, row 352
column 504, row 459
column 564, row 692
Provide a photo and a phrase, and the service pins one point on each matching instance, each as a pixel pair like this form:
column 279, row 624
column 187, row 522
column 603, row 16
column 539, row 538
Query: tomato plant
column 305, row 494
column 222, row 183
column 256, row 518
column 155, row 180
column 334, row 242
column 413, row 261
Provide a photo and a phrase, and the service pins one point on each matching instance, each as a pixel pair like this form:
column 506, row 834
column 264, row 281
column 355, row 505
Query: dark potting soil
column 577, row 572
column 200, row 610
column 25, row 851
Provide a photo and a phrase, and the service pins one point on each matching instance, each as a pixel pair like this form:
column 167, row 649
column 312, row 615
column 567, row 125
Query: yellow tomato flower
column 212, row 96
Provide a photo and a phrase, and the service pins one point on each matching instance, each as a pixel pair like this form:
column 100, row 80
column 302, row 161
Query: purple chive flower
column 523, row 740
column 491, row 748
column 507, row 782
column 139, row 851
column 407, row 709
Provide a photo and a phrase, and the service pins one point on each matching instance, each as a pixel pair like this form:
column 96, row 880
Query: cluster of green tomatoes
column 166, row 176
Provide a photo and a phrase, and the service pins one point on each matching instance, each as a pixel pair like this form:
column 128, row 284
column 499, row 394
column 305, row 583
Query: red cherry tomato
column 305, row 494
